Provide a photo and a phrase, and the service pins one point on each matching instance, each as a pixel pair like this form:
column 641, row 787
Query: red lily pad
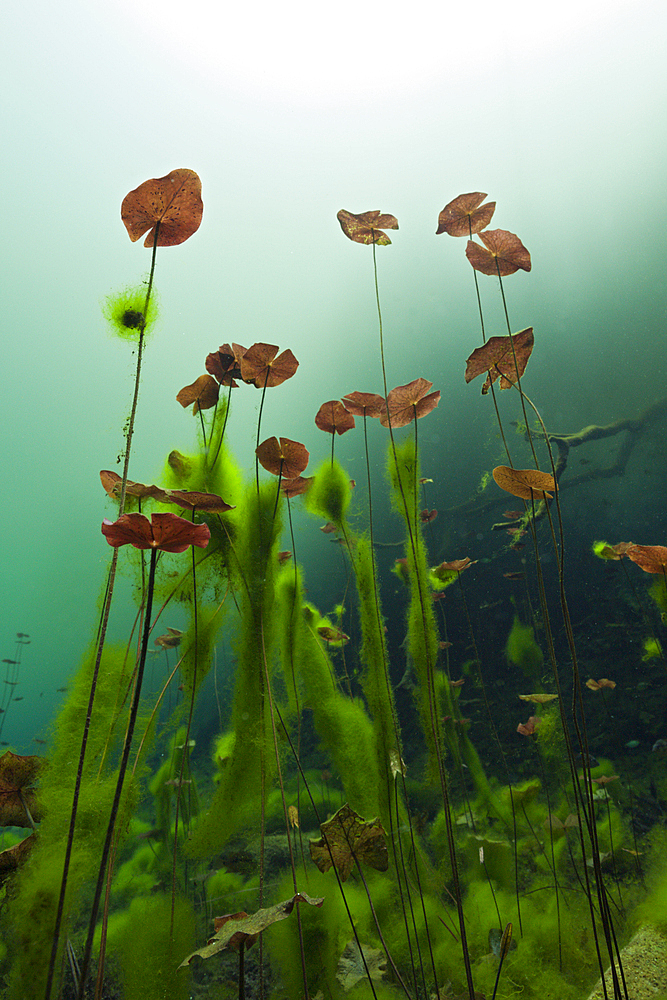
column 166, row 532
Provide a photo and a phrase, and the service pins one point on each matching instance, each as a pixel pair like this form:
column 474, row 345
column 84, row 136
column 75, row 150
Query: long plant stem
column 85, row 964
column 432, row 707
column 101, row 637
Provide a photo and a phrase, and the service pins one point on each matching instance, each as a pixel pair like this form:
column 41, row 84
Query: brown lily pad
column 524, row 483
column 503, row 253
column 650, row 558
column 497, row 359
column 285, row 458
column 203, row 393
column 194, row 500
column 364, row 404
column 334, row 418
column 367, row 227
column 260, row 367
column 172, row 202
column 409, row 402
column 465, row 215
column 295, row 487
column 112, row 483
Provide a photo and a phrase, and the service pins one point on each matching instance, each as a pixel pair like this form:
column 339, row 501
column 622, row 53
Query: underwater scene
column 335, row 611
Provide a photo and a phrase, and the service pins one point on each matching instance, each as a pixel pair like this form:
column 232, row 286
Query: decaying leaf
column 351, row 968
column 503, row 253
column 13, row 857
column 465, row 215
column 174, row 202
column 454, row 566
column 195, row 500
column 603, row 682
column 529, row 728
column 603, row 550
column 236, row 928
column 367, row 227
column 524, row 483
column 397, row 764
column 650, row 558
column 112, row 483
column 330, row 634
column 170, row 640
column 347, row 837
column 294, row 487
column 18, row 802
column 293, row 817
column 444, row 575
column 497, row 359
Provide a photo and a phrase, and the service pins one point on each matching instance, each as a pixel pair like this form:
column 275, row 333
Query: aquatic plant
column 345, row 773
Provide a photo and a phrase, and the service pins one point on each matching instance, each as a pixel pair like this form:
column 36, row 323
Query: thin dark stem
column 442, row 775
column 85, row 964
column 104, row 621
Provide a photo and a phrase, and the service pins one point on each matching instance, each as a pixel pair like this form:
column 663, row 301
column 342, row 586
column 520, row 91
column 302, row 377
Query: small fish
column 13, row 662
column 584, row 461
column 585, row 760
column 18, row 699
column 490, row 604
column 61, row 689
column 39, row 741
column 11, row 682
column 632, row 744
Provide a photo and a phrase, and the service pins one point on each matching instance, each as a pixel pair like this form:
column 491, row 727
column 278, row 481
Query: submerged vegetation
column 347, row 830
